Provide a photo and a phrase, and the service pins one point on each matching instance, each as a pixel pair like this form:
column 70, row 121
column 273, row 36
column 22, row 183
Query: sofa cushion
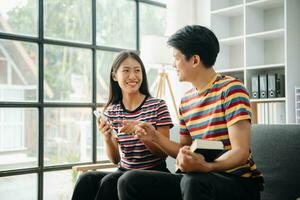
column 276, row 150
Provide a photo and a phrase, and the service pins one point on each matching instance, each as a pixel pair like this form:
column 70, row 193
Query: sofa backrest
column 276, row 150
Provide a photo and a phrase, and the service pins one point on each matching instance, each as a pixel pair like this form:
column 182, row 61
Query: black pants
column 149, row 185
column 99, row 185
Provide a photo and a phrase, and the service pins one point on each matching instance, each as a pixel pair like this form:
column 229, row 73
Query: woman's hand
column 129, row 126
column 105, row 128
column 141, row 130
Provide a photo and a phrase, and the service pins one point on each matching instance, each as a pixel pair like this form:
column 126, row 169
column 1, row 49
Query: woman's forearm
column 112, row 149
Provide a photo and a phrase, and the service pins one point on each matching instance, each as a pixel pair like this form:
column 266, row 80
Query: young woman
column 129, row 99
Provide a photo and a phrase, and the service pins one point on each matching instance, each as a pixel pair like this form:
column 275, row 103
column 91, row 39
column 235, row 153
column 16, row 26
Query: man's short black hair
column 196, row 40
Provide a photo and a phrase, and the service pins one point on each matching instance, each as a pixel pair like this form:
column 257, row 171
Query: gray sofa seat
column 276, row 150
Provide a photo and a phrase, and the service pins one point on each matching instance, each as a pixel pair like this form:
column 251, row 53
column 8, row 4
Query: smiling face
column 183, row 67
column 129, row 76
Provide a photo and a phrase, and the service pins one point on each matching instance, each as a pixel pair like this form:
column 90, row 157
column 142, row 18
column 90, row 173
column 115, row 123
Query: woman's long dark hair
column 115, row 92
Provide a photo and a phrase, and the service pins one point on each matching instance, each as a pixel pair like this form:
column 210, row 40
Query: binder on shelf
column 280, row 90
column 272, row 83
column 255, row 86
column 263, row 83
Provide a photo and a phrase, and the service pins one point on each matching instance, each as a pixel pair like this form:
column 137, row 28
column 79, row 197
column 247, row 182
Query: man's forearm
column 171, row 148
column 230, row 159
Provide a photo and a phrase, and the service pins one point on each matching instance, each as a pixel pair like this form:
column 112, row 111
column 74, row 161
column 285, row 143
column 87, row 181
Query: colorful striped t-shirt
column 208, row 113
column 134, row 153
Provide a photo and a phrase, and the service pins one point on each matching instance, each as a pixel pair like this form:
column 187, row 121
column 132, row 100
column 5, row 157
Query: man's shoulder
column 228, row 83
column 224, row 79
column 189, row 94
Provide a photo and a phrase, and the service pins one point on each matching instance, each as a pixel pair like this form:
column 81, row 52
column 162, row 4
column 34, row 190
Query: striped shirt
column 134, row 153
column 208, row 113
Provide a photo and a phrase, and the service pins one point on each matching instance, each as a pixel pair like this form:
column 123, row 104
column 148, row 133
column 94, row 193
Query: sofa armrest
column 92, row 167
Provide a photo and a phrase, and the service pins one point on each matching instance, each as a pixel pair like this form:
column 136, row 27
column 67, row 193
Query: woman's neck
column 133, row 100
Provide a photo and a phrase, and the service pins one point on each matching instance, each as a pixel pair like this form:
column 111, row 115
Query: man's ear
column 196, row 60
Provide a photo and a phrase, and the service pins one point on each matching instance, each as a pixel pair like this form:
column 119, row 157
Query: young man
column 216, row 108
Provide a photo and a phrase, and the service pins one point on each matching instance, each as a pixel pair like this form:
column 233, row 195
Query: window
column 18, row 138
column 12, row 133
column 55, row 57
column 116, row 23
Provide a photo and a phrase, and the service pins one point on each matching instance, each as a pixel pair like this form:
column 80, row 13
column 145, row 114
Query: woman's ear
column 113, row 75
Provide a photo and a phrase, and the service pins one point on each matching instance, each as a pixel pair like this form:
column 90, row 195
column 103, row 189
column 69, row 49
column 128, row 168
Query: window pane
column 19, row 71
column 101, row 153
column 153, row 20
column 19, row 187
column 68, row 74
column 116, row 23
column 19, row 16
column 18, row 138
column 104, row 62
column 68, row 20
column 59, row 185
column 68, row 135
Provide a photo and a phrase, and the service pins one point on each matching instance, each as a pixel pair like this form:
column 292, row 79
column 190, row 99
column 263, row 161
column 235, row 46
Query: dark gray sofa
column 276, row 150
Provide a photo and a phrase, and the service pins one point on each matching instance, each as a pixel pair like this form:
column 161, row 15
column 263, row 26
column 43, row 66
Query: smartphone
column 101, row 116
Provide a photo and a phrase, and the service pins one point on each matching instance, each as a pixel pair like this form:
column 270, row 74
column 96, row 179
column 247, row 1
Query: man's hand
column 146, row 132
column 188, row 161
column 142, row 130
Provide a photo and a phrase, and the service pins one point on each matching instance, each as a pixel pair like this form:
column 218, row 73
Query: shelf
column 267, row 52
column 268, row 100
column 267, row 35
column 232, row 40
column 265, row 4
column 260, row 37
column 266, row 67
column 265, row 16
column 228, row 22
column 218, row 5
column 239, row 69
column 231, row 56
column 229, row 11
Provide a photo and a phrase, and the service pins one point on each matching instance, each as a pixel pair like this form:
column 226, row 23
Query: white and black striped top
column 134, row 154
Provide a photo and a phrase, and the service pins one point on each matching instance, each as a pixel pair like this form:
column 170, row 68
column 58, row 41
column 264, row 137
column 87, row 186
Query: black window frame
column 40, row 105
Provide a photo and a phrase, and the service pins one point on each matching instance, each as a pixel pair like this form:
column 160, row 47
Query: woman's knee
column 128, row 177
column 90, row 178
column 111, row 180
